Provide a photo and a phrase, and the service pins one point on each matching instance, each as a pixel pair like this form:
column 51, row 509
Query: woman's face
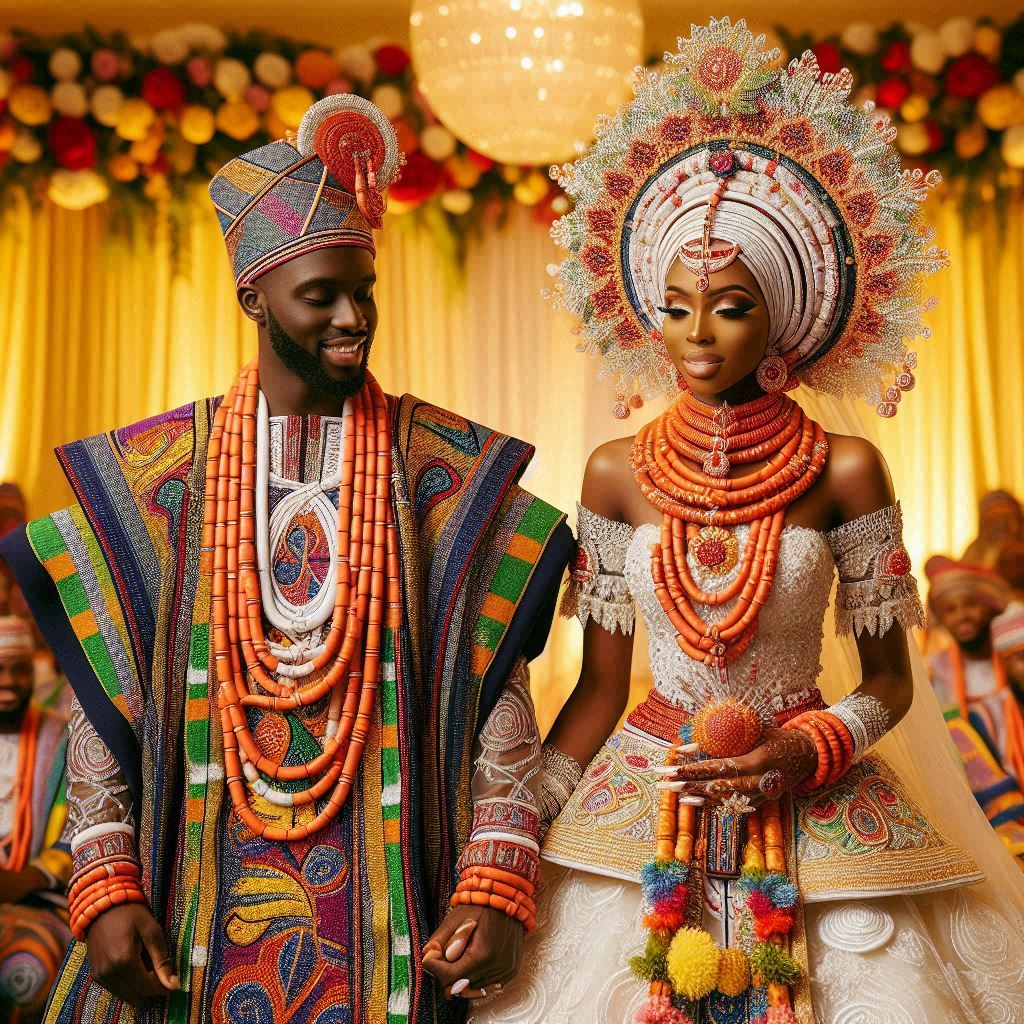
column 717, row 337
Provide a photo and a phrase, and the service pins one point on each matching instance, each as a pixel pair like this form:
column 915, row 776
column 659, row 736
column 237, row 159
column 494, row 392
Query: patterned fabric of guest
column 33, row 941
column 997, row 793
column 115, row 582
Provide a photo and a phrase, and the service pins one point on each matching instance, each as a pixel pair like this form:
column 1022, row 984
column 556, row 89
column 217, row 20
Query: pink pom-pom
column 759, row 904
column 781, row 1015
column 659, row 1010
column 676, row 903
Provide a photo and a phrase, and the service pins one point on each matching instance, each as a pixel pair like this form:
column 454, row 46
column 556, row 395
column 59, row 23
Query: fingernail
column 693, row 801
column 454, row 950
column 671, row 787
column 430, row 954
column 688, row 748
column 460, row 986
column 465, row 928
column 497, row 986
column 665, row 769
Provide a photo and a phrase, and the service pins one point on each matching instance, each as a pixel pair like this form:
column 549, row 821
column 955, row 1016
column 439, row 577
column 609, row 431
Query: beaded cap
column 948, row 576
column 15, row 637
column 807, row 189
column 281, row 200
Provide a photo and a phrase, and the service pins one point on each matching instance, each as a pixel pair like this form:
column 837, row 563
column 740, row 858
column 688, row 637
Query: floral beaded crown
column 804, row 186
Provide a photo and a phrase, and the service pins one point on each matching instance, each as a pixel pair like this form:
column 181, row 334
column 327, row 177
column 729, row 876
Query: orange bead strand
column 367, row 596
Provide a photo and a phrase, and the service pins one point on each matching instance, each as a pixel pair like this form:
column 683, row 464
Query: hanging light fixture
column 522, row 81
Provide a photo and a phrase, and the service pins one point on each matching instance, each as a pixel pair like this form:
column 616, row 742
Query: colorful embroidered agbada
column 114, row 581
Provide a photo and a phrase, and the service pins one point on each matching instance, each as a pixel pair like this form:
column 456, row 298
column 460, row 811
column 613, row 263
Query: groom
column 192, row 912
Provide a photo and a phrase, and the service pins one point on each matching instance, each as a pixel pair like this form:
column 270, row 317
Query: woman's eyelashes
column 734, row 312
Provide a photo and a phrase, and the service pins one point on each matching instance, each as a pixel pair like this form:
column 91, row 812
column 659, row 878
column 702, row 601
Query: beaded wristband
column 97, row 888
column 833, row 743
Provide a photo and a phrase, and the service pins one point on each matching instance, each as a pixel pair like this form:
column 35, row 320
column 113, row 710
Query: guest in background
column 34, row 864
column 1008, row 644
column 1000, row 541
column 965, row 599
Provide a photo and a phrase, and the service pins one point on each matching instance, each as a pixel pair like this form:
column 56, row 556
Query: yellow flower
column 77, row 190
column 197, row 125
column 692, row 961
column 291, row 103
column 988, row 41
column 121, row 167
column 27, row 149
column 1001, row 107
column 913, row 139
column 106, row 103
column 157, row 188
column 457, row 201
column 1013, row 146
column 7, row 136
column 237, row 119
column 134, row 119
column 437, row 142
column 915, row 108
column 510, row 174
column 30, row 104
column 532, row 189
column 463, row 172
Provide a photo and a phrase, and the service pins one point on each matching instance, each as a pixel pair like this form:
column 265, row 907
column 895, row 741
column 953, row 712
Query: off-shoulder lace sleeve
column 597, row 587
column 876, row 587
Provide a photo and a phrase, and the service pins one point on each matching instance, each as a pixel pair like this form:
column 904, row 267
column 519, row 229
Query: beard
column 308, row 368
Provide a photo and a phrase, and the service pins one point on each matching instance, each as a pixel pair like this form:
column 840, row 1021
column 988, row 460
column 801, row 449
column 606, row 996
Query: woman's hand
column 474, row 951
column 778, row 765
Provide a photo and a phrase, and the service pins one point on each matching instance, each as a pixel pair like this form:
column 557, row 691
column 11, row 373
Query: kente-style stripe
column 391, row 804
column 48, row 544
column 99, row 588
column 376, row 911
column 510, row 580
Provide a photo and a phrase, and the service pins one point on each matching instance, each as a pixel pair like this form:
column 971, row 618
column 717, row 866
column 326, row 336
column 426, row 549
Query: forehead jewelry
column 705, row 261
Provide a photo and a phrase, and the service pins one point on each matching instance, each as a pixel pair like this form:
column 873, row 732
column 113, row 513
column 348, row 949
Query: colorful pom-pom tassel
column 781, row 1015
column 774, row 965
column 650, row 965
column 733, row 972
column 776, row 922
column 693, row 963
column 661, row 878
column 659, row 1010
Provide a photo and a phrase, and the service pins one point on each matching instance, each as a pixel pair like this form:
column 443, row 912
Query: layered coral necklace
column 346, row 665
column 701, row 508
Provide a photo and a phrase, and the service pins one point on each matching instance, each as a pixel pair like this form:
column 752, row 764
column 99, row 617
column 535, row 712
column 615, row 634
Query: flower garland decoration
column 92, row 116
column 955, row 93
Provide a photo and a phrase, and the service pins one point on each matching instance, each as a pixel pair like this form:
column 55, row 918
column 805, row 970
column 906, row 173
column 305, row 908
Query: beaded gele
column 817, row 201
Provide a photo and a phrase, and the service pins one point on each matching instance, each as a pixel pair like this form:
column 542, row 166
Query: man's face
column 16, row 679
column 322, row 316
column 966, row 617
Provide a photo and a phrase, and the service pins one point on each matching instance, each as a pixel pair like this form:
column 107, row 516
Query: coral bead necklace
column 346, row 665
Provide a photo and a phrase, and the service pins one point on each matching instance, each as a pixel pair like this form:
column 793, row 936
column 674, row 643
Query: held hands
column 474, row 951
column 128, row 955
column 778, row 765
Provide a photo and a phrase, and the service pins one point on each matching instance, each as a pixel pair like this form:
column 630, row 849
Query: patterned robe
column 114, row 582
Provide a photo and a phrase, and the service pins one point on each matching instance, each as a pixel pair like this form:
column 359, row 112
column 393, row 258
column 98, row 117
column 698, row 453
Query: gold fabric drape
column 99, row 329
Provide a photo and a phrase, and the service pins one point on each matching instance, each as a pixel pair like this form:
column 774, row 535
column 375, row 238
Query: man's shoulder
column 423, row 424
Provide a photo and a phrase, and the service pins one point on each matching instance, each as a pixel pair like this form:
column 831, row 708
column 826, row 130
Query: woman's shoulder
column 608, row 480
column 856, row 477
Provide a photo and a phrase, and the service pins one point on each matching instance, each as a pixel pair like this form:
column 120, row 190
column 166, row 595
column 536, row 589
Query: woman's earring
column 772, row 373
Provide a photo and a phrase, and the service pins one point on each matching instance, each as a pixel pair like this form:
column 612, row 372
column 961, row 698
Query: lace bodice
column 783, row 660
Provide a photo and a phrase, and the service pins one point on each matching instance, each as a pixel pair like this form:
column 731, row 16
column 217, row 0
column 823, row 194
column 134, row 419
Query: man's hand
column 474, row 952
column 129, row 956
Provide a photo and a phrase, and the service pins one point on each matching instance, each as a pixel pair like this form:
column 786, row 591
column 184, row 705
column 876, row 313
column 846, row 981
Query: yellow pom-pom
column 692, row 961
column 733, row 972
column 727, row 729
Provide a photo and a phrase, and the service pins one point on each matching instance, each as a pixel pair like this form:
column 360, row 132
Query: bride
column 738, row 231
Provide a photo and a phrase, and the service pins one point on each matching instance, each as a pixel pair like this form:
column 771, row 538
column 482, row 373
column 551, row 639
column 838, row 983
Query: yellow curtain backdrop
column 99, row 329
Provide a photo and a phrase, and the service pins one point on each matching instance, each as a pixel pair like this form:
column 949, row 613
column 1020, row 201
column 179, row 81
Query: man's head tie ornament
column 322, row 187
column 721, row 156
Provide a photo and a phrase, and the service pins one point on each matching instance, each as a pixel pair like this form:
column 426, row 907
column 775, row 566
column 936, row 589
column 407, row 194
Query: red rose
column 162, row 89
column 896, row 58
column 891, row 92
column 935, row 136
column 830, row 58
column 391, row 59
column 22, row 69
column 420, row 179
column 72, row 143
column 483, row 163
column 970, row 75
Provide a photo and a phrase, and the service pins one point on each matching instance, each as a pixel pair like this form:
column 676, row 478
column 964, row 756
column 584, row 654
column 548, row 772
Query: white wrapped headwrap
column 15, row 637
column 787, row 240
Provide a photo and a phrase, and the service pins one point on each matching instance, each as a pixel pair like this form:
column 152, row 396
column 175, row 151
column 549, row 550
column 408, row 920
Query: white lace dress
column 920, row 944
